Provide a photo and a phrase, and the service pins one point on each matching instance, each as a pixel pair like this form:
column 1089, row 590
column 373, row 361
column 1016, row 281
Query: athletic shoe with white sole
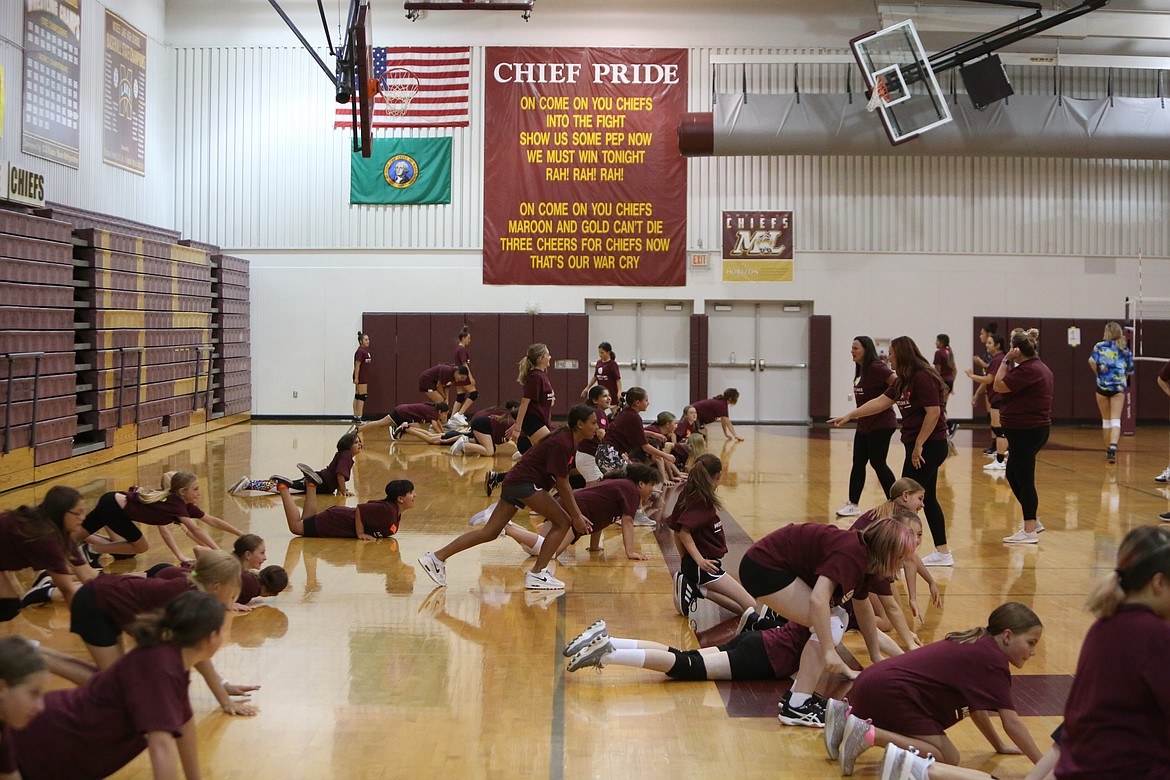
column 586, row 637
column 1039, row 527
column 310, row 474
column 1164, row 476
column 854, row 742
column 996, row 465
column 542, row 580
column 94, row 559
column 849, row 509
column 937, row 558
column 642, row 520
column 435, row 569
column 41, row 591
column 397, row 431
column 592, row 654
column 899, row 764
column 811, row 714
column 459, row 445
column 836, row 714
column 492, row 480
column 240, row 485
column 481, row 517
column 1022, row 537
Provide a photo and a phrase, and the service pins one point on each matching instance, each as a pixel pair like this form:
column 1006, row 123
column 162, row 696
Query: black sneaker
column 951, row 428
column 310, row 474
column 123, row 556
column 990, row 450
column 1165, row 517
column 94, row 559
column 492, row 480
column 811, row 714
column 1111, row 453
column 40, row 593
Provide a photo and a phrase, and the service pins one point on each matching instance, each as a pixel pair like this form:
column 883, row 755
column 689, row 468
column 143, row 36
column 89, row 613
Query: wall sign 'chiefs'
column 757, row 246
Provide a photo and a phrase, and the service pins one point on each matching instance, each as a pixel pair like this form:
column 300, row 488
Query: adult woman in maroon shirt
column 911, row 700
column 139, row 703
column 39, row 538
column 871, row 441
column 368, row 521
column 534, row 417
column 606, row 373
column 1115, row 720
column 528, row 484
column 920, row 395
column 362, row 360
column 1025, row 387
column 713, row 409
column 995, row 348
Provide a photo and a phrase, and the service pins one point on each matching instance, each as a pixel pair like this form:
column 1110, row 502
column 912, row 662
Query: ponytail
column 888, row 542
column 185, row 621
column 635, row 472
column 1144, row 553
column 730, row 395
column 1026, row 341
column 700, row 484
column 1115, row 333
column 529, row 361
column 172, row 482
column 1012, row 616
column 697, row 444
column 216, row 567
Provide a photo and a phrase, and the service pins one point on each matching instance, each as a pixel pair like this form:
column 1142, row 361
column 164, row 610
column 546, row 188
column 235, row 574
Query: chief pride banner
column 583, row 180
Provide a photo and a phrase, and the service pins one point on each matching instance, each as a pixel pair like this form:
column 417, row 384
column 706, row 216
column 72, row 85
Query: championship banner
column 124, row 96
column 757, row 246
column 402, row 171
column 52, row 80
column 583, row 180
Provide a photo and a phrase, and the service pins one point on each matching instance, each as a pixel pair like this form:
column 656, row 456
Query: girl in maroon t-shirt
column 995, row 349
column 362, row 360
column 920, row 395
column 534, row 418
column 24, row 677
column 615, row 499
column 434, row 382
column 1116, row 715
column 595, row 458
column 175, row 504
column 698, row 534
column 368, row 522
column 713, row 409
column 1025, row 387
column 465, row 392
column 688, row 423
column 489, row 429
column 405, row 417
column 40, row 538
column 528, row 484
column 911, row 700
column 334, row 478
column 871, row 440
column 607, row 374
column 140, row 703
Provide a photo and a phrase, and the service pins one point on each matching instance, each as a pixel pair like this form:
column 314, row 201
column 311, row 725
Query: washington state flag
column 402, row 171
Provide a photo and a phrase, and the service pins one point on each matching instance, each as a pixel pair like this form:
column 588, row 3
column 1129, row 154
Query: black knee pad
column 998, row 431
column 523, row 444
column 688, row 665
column 9, row 608
column 460, row 397
column 473, row 395
column 360, row 396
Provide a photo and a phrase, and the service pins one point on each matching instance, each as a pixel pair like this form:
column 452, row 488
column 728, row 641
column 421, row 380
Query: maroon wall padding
column 820, row 353
column 444, row 338
column 1155, row 342
column 515, row 336
column 699, row 332
column 578, row 347
column 486, row 366
column 382, row 328
column 413, row 356
column 553, row 330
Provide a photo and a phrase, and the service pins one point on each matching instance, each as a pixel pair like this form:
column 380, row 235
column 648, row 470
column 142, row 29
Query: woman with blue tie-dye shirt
column 1112, row 363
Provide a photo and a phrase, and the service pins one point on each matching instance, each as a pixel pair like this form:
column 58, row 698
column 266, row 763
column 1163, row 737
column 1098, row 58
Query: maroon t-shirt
column 160, row 512
column 625, row 432
column 934, row 686
column 249, row 587
column 711, row 410
column 340, row 466
column 1029, row 404
column 607, row 374
column 922, row 392
column 873, row 382
column 704, row 524
column 1117, row 718
column 363, row 358
column 500, row 425
column 462, row 355
column 549, row 458
column 606, row 502
column 7, row 751
column 539, row 392
column 419, row 413
column 437, row 376
column 379, row 518
column 877, row 585
column 685, row 428
column 992, row 367
column 18, row 552
column 941, row 364
column 783, row 647
column 123, row 597
column 94, row 730
column 811, row 550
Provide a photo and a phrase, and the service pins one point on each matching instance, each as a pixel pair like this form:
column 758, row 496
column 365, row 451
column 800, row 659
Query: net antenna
column 397, row 86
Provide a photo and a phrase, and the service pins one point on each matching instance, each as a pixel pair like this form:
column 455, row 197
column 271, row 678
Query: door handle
column 762, row 365
column 752, row 364
column 642, row 364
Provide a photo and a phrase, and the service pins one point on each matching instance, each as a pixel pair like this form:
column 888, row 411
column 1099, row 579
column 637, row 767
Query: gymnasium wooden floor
column 368, row 672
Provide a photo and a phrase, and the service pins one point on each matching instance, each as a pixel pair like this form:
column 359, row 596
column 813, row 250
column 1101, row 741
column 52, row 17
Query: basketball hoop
column 879, row 95
column 397, row 87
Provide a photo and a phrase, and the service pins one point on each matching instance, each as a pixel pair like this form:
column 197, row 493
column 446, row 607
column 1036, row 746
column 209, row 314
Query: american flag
column 430, row 87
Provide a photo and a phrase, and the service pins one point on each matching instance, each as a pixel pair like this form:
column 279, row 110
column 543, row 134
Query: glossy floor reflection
column 368, row 672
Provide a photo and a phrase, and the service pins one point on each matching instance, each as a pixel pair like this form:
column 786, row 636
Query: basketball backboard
column 894, row 58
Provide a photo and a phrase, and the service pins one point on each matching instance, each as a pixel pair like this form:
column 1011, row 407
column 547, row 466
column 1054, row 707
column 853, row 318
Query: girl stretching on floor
column 405, row 416
column 39, row 538
column 334, row 478
column 368, row 522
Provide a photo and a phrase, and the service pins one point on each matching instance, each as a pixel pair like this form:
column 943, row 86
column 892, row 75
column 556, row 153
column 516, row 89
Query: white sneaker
column 1039, row 526
column 517, row 455
column 850, row 509
column 937, row 558
column 899, row 764
column 435, row 569
column 641, row 520
column 996, row 465
column 481, row 518
column 1164, row 476
column 459, row 419
column 578, row 643
column 243, row 481
column 1022, row 537
column 459, row 445
column 542, row 580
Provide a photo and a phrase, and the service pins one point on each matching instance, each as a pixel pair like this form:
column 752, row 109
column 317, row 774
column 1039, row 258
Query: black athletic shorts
column 950, row 383
column 482, row 425
column 515, row 494
column 88, row 621
column 758, row 580
column 1107, row 393
column 310, row 526
column 748, row 657
column 533, row 423
column 698, row 576
column 107, row 514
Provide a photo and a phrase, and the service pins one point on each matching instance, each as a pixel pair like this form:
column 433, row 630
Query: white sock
column 536, row 546
column 798, row 699
column 626, row 658
column 623, row 644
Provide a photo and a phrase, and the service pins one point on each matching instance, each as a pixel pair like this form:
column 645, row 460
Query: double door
column 652, row 342
column 761, row 349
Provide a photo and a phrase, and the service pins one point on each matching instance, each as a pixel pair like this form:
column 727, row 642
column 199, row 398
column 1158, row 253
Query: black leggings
column 933, row 455
column 1023, row 445
column 107, row 514
column 870, row 448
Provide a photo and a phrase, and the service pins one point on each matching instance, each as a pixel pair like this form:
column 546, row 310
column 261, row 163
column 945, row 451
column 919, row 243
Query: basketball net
column 397, row 87
column 879, row 95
